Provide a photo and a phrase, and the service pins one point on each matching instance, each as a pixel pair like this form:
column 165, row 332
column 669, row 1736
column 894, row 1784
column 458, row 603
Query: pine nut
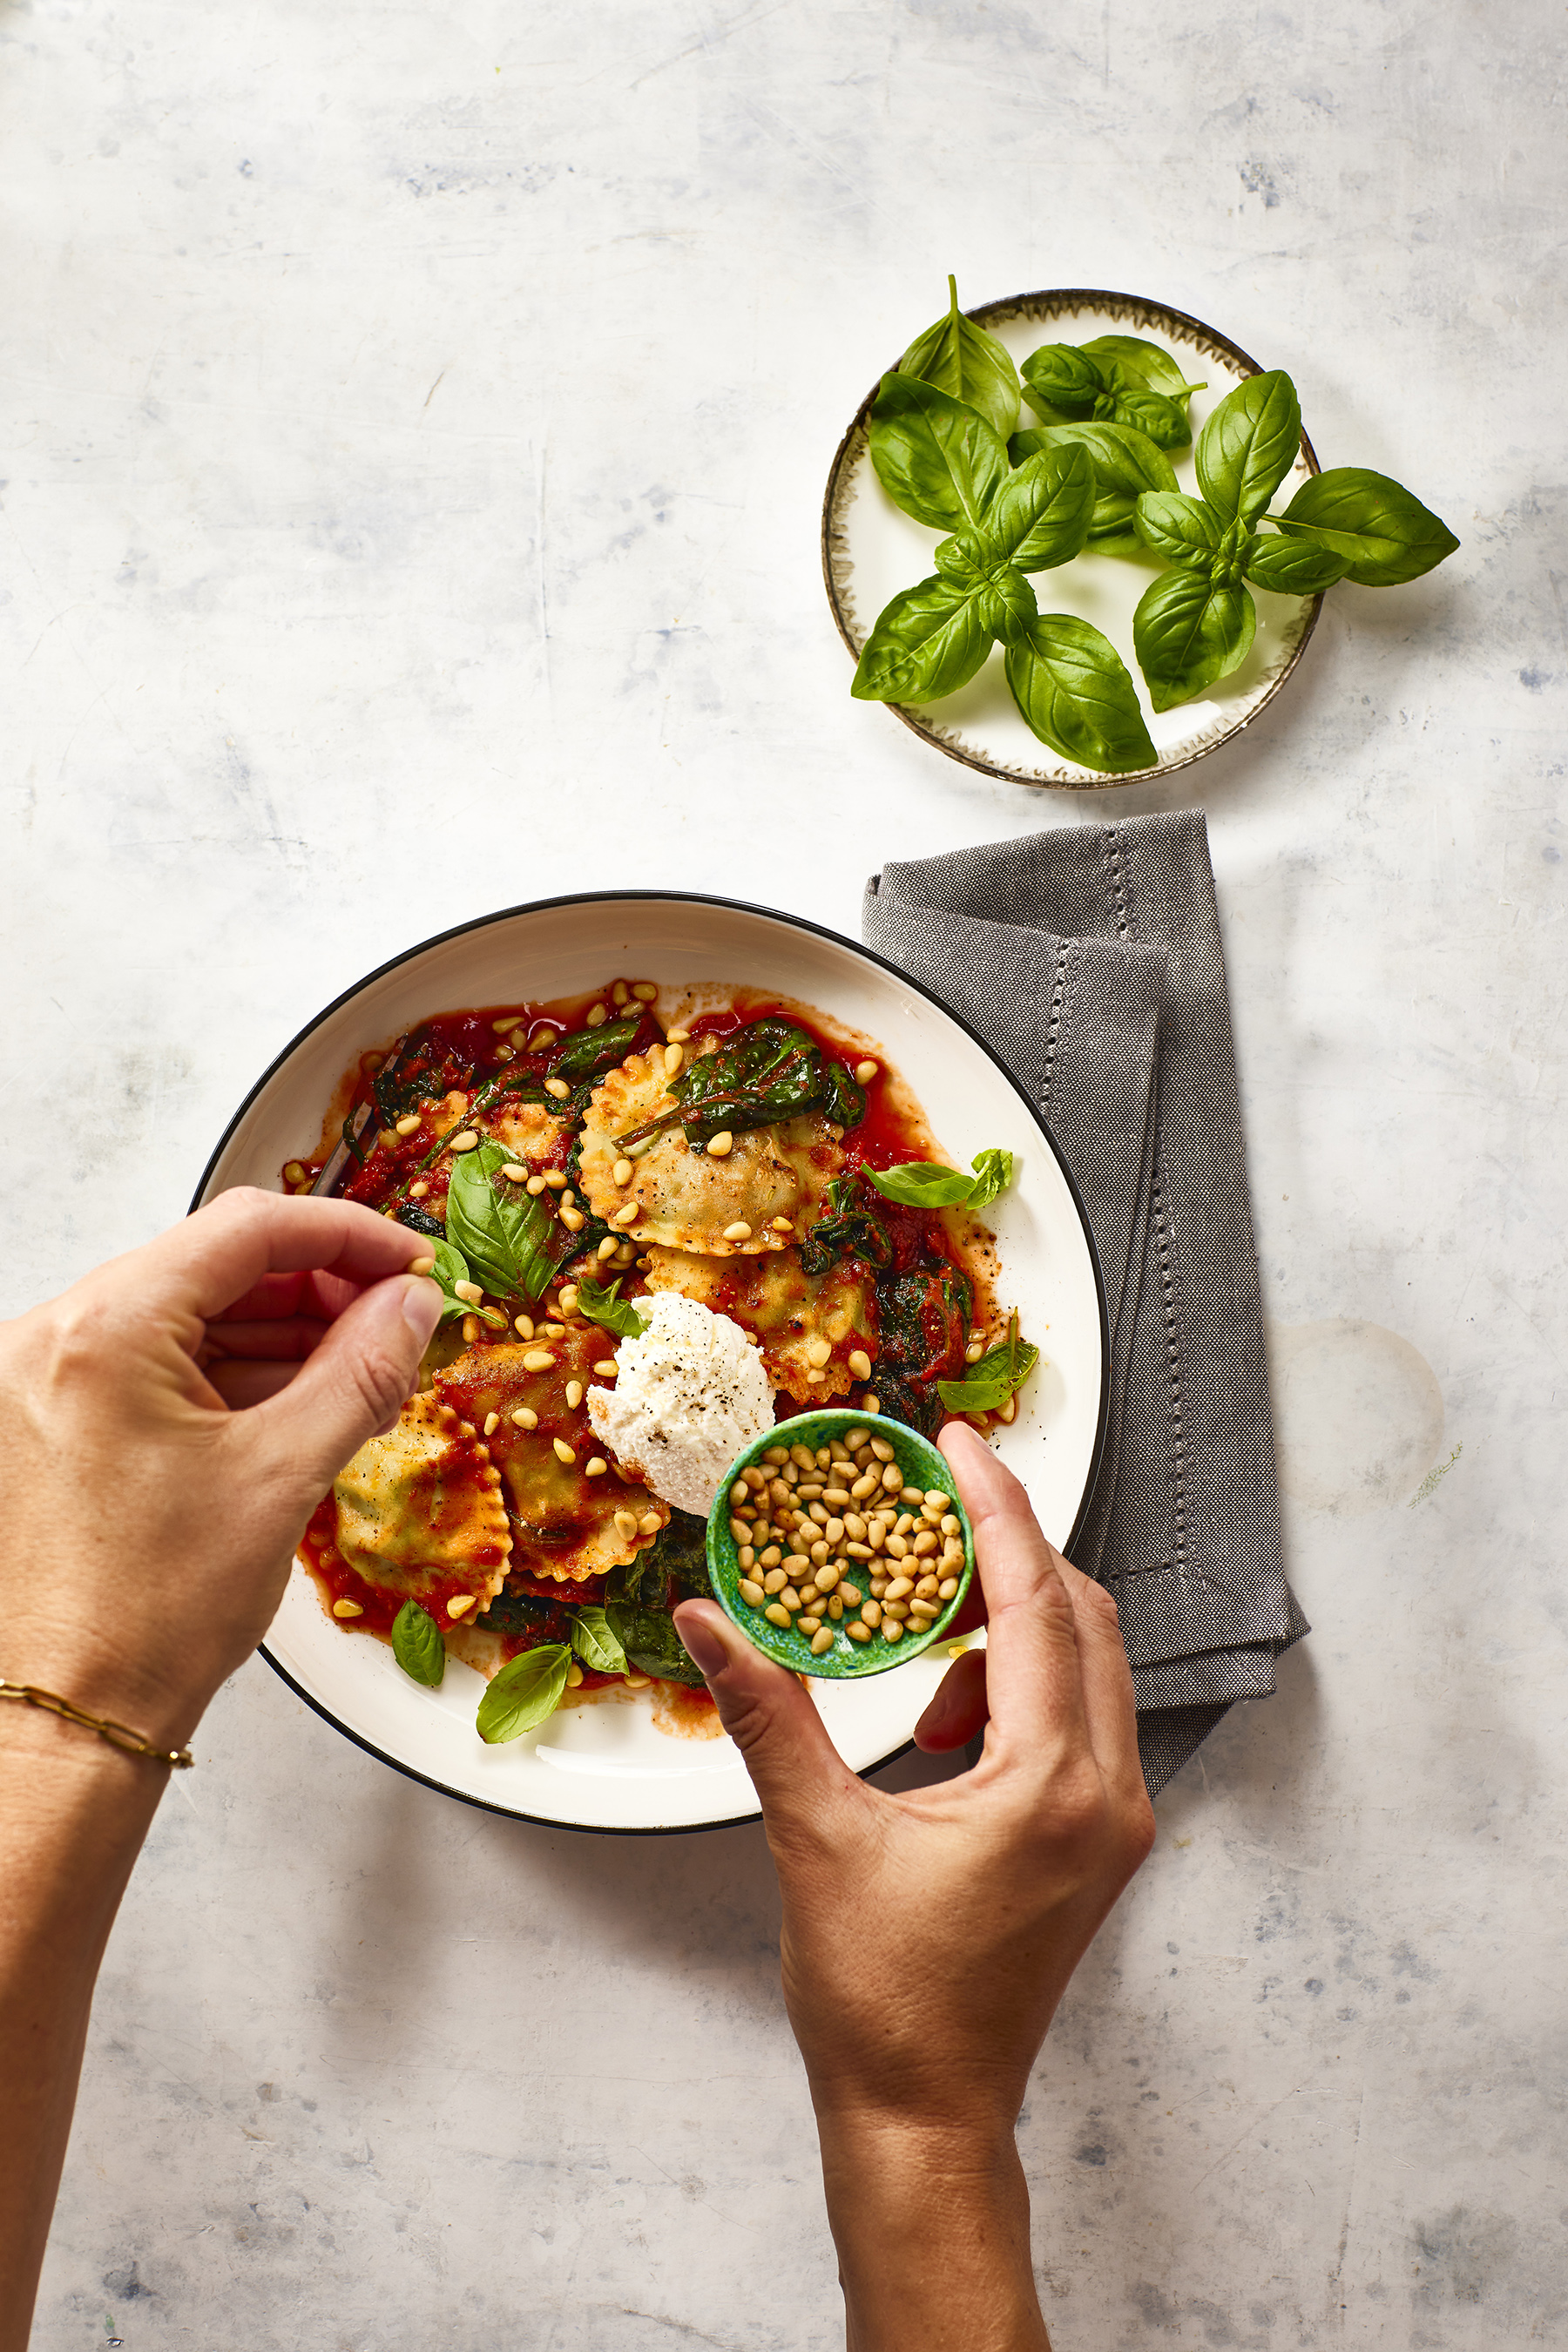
column 503, row 1052
column 460, row 1606
column 644, row 990
column 597, row 1016
column 417, row 1191
column 871, row 1405
column 514, row 1174
column 892, row 1478
column 563, row 1453
column 525, row 1417
column 811, row 1624
column 472, row 1328
column 637, row 1682
column 776, row 1580
column 618, row 993
column 558, row 1088
column 626, row 1525
column 925, row 1611
column 816, row 1378
column 294, row 1173
column 649, row 1523
column 1007, row 1412
column 882, row 1450
column 553, row 1330
column 573, row 1676
column 739, row 1231
column 535, row 1185
column 573, row 1395
column 505, row 1021
column 827, row 1576
column 629, row 1215
column 425, row 1266
column 776, row 1614
column 926, row 1589
column 573, row 1220
column 523, row 1325
column 973, row 1352
column 817, row 1351
column 865, row 1485
column 860, row 1364
column 347, row 1609
column 897, row 1609
column 898, row 1588
column 892, row 1630
column 925, row 1543
column 751, row 1592
column 407, row 1126
column 673, row 1057
column 865, row 1072
column 608, row 1247
column 821, row 1642
column 947, row 1588
column 782, row 1225
column 621, row 1172
column 596, row 1467
column 850, row 1592
column 492, row 1423
column 871, row 1614
column 791, row 1598
column 556, row 1179
column 470, row 1291
column 568, row 1298
column 897, row 1547
column 721, row 1146
column 859, row 1632
column 607, row 1367
column 678, row 1036
column 385, row 1138
column 539, row 1360
column 740, row 1530
column 463, row 1142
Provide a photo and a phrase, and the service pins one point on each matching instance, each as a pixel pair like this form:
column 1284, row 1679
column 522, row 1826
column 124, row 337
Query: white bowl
column 607, row 1766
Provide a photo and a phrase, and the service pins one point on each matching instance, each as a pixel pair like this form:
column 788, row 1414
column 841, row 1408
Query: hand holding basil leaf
column 1076, row 693
column 524, row 1693
column 963, row 359
column 941, row 461
column 607, row 1307
column 505, row 1234
column 1385, row 535
column 417, row 1646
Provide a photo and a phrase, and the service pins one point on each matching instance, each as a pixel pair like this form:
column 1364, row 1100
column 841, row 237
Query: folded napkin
column 1090, row 961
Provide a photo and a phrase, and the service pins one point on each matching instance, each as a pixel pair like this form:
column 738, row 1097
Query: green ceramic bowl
column 923, row 1466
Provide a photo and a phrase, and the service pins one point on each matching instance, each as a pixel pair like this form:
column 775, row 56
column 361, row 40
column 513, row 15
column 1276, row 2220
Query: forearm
column 73, row 1814
column 932, row 2229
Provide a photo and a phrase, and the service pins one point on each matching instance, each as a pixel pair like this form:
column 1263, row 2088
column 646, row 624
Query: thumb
column 795, row 1767
column 351, row 1388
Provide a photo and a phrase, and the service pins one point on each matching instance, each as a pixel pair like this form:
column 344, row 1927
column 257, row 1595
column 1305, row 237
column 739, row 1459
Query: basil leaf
column 1385, row 533
column 1040, row 515
column 928, row 642
column 1181, row 529
column 1162, row 419
column 963, row 359
column 600, row 1306
column 941, row 461
column 596, row 1642
column 1291, row 567
column 1189, row 632
column 1075, row 692
column 1142, row 363
column 1006, row 603
column 1249, row 445
column 922, row 1184
column 451, row 1267
column 1061, row 380
column 587, row 1052
column 1000, row 1373
column 417, row 1646
column 993, row 1174
column 1126, row 464
column 524, row 1693
column 508, row 1238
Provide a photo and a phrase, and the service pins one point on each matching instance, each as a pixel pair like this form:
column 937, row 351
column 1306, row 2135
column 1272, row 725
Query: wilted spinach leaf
column 769, row 1070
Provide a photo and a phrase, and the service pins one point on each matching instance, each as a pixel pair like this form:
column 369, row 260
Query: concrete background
column 414, row 423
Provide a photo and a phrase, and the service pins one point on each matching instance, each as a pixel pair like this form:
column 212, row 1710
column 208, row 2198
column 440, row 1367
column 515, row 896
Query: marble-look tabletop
column 415, row 423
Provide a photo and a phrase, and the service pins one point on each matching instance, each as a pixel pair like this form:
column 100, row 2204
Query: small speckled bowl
column 923, row 1466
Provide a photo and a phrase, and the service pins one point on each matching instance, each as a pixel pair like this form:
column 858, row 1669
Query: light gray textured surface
column 415, row 422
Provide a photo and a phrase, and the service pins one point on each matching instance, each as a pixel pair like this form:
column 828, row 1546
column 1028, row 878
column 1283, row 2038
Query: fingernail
column 422, row 1304
column 705, row 1647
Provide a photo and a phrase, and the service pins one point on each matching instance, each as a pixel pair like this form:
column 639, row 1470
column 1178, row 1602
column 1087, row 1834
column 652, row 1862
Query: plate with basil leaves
column 624, row 1763
column 1078, row 539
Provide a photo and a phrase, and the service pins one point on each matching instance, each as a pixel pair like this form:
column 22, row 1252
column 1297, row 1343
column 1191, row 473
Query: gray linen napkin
column 1090, row 961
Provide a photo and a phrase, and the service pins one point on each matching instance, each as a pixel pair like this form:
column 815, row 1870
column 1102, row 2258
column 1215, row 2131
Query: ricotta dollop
column 688, row 1395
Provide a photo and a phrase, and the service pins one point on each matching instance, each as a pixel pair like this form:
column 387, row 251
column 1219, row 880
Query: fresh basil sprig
column 596, row 1641
column 607, row 1307
column 417, row 1646
column 504, row 1233
column 525, row 1691
column 1116, row 380
column 926, row 1184
column 1000, row 1373
column 962, row 359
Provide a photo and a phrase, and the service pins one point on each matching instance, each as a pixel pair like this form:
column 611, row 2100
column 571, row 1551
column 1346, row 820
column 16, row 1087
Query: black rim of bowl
column 733, row 907
column 1051, row 299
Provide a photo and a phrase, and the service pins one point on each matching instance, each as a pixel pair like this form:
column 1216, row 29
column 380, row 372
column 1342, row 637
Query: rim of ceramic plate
column 1128, row 310
column 729, row 906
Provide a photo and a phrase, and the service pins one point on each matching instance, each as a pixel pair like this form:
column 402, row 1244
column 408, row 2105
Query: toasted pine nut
column 859, row 1632
column 673, row 1057
column 514, row 1174
column 425, row 1266
column 739, row 1231
column 619, row 994
column 892, row 1630
column 644, row 990
column 1007, row 1412
column 628, row 1215
column 850, row 1592
column 568, row 1298
column 871, row 1405
column 817, row 1351
column 525, row 1417
column 472, row 1292
column 626, row 1525
column 637, row 1682
column 597, row 1016
column 347, row 1609
column 563, row 1453
column 465, row 1141
column 573, row 1220
column 621, row 1172
column 898, row 1588
column 523, row 1327
column 776, row 1580
column 553, row 1330
column 860, row 1364
column 385, row 1138
column 811, row 1624
column 472, row 1328
column 865, row 1072
column 721, row 1146
column 417, row 1192
column 751, row 1592
column 926, row 1589
column 892, row 1476
column 558, row 1088
column 608, row 1247
column 556, row 1179
column 595, row 1468
column 649, row 1523
column 492, row 1423
column 539, row 1360
column 407, row 1126
column 505, row 1021
column 782, row 1225
column 573, row 1676
column 925, row 1611
column 460, row 1606
column 777, row 1614
column 973, row 1352
column 294, row 1173
column 925, row 1544
column 740, row 1530
column 827, row 1576
column 541, row 1033
column 573, row 1395
column 535, row 1185
column 821, row 1642
column 872, row 1613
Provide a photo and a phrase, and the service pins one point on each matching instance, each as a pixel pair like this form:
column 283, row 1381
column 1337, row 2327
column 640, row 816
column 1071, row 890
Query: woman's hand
column 149, row 1527
column 928, row 1938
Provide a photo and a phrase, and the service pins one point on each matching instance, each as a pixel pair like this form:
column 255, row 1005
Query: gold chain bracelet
column 119, row 1734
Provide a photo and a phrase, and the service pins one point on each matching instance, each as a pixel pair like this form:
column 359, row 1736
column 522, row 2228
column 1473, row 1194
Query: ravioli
column 420, row 1511
column 564, row 1523
column 786, row 1308
column 688, row 1200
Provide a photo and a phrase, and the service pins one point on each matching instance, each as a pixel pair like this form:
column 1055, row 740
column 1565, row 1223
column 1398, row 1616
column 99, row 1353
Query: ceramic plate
column 607, row 1766
column 871, row 549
